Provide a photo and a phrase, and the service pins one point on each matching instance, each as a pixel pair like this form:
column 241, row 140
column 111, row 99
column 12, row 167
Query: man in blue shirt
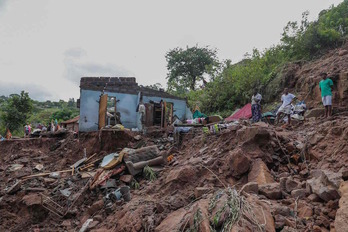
column 325, row 86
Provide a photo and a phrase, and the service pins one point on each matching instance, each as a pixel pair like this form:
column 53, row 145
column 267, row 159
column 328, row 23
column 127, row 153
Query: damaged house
column 112, row 100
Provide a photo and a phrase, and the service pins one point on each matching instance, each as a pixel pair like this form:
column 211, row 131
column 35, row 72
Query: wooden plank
column 149, row 114
column 102, row 110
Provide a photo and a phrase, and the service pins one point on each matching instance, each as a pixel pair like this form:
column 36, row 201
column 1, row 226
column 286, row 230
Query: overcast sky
column 46, row 46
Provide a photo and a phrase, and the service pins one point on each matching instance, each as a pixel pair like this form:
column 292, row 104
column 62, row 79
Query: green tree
column 16, row 111
column 188, row 66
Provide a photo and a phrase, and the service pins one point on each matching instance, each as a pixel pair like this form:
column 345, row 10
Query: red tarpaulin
column 244, row 113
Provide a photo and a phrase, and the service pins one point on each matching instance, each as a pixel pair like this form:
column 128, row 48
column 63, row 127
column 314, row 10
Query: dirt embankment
column 302, row 78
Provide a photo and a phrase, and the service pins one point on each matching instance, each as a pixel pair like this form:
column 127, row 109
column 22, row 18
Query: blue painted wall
column 127, row 104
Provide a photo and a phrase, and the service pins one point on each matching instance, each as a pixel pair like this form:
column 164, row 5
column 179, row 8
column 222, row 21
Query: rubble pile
column 244, row 178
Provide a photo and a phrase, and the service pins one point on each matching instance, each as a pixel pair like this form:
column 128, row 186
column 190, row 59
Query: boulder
column 315, row 113
column 323, row 187
column 238, row 163
column 183, row 174
column 341, row 220
column 251, row 187
column 255, row 134
column 291, row 185
column 271, row 191
column 259, row 173
column 172, row 222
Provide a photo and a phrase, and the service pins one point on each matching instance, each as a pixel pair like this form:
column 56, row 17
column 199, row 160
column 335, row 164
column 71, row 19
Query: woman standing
column 256, row 106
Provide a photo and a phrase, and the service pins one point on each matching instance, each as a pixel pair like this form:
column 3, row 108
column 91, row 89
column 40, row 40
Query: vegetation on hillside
column 18, row 109
column 231, row 86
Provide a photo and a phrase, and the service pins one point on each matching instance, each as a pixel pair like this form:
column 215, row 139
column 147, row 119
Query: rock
column 258, row 135
column 251, row 187
column 199, row 191
column 259, row 173
column 271, row 191
column 183, row 174
column 95, row 207
column 279, row 221
column 66, row 223
column 137, row 137
column 290, row 185
column 288, row 229
column 93, row 224
column 343, row 52
column 314, row 197
column 126, row 179
column 32, row 199
column 316, row 112
column 200, row 210
column 341, row 219
column 304, row 211
column 48, row 181
column 323, row 221
column 282, row 210
column 323, row 188
column 98, row 218
column 172, row 222
column 298, row 193
column 345, row 174
column 238, row 163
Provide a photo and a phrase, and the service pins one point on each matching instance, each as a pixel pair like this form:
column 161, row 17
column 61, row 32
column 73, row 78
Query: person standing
column 325, row 86
column 285, row 108
column 256, row 106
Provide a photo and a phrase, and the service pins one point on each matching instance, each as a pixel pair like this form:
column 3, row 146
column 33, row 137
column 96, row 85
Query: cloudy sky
column 47, row 45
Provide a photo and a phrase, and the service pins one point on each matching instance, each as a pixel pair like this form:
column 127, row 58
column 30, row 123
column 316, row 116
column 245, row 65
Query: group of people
column 325, row 86
column 52, row 127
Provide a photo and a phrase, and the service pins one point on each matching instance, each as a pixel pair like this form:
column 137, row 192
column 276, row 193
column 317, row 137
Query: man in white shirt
column 285, row 108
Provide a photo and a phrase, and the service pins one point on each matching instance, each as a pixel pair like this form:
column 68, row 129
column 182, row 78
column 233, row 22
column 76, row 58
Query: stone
column 314, row 197
column 93, row 224
column 32, row 199
column 288, row 229
column 323, row 188
column 259, row 173
column 200, row 191
column 305, row 211
column 98, row 218
column 345, row 174
column 181, row 174
column 298, row 193
column 238, row 163
column 126, row 179
column 290, row 185
column 343, row 52
column 172, row 222
column 279, row 221
column 316, row 112
column 341, row 219
column 282, row 210
column 251, row 187
column 271, row 191
column 95, row 207
column 66, row 223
